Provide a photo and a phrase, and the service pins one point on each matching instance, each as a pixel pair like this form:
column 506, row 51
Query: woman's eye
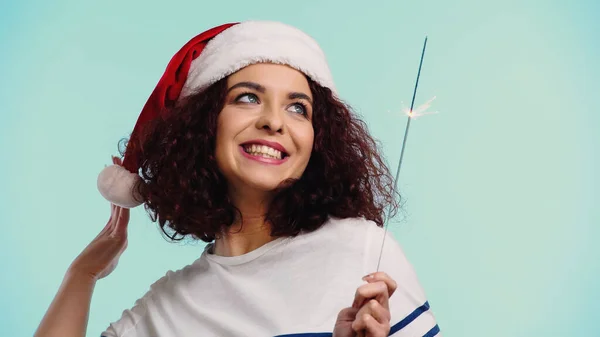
column 298, row 108
column 247, row 98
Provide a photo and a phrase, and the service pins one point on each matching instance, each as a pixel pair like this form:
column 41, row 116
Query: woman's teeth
column 263, row 151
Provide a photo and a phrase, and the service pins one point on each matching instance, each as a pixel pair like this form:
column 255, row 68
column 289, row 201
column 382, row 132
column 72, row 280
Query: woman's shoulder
column 355, row 228
column 377, row 245
column 341, row 238
column 350, row 225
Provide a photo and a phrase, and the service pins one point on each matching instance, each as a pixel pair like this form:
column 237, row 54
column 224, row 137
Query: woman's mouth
column 263, row 153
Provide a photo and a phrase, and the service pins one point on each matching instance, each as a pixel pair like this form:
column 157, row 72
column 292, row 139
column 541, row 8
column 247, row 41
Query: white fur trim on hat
column 116, row 184
column 253, row 42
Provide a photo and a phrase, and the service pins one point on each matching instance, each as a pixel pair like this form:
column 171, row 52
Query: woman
column 244, row 145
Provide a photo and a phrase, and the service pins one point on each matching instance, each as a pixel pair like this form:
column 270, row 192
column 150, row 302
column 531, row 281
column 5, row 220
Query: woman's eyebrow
column 250, row 85
column 299, row 95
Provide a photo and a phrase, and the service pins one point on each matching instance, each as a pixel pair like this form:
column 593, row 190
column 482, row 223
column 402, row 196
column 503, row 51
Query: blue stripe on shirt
column 434, row 331
column 397, row 327
column 410, row 318
column 308, row 334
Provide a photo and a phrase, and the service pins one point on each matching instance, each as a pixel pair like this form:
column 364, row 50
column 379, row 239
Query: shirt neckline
column 244, row 258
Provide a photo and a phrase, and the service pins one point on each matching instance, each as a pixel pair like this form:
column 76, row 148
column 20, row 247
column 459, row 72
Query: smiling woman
column 245, row 145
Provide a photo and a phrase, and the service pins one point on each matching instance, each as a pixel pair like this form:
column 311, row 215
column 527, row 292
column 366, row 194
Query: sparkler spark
column 421, row 110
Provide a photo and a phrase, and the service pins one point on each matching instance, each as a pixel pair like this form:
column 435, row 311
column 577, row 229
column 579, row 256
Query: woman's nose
column 271, row 119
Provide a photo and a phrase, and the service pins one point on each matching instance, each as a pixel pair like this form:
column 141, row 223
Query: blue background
column 501, row 185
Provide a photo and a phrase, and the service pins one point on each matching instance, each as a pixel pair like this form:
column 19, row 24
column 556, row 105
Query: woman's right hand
column 101, row 256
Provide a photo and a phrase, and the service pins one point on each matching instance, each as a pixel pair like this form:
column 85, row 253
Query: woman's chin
column 265, row 185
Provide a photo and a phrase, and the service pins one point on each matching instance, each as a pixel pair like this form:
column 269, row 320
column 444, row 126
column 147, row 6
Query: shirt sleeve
column 127, row 324
column 138, row 320
column 410, row 310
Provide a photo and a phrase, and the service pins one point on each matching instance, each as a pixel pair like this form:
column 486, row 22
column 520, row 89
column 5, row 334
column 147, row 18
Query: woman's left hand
column 369, row 315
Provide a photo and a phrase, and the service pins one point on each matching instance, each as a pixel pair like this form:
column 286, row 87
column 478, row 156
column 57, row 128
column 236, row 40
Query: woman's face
column 264, row 133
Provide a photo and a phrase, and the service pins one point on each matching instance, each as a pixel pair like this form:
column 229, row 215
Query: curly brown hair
column 185, row 192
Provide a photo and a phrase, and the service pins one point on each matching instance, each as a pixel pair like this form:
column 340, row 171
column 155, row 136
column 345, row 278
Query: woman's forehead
column 269, row 77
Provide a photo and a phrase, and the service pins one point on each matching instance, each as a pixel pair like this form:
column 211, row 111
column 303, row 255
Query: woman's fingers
column 376, row 310
column 381, row 276
column 377, row 290
column 119, row 222
column 122, row 222
column 114, row 214
column 365, row 292
column 372, row 300
column 116, row 160
column 347, row 315
column 119, row 217
column 108, row 227
column 366, row 325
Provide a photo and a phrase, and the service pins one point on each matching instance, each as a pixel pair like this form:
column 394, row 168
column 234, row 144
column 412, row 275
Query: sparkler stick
column 410, row 116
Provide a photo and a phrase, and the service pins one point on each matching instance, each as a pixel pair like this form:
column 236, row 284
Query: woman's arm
column 68, row 313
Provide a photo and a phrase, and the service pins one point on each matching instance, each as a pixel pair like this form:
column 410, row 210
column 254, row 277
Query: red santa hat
column 204, row 60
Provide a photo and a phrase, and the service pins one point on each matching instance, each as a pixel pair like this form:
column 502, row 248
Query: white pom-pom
column 116, row 184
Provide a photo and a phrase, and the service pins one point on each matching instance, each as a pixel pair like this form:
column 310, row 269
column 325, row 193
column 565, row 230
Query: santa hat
column 204, row 60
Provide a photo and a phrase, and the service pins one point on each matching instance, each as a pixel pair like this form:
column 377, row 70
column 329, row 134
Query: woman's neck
column 235, row 242
column 245, row 236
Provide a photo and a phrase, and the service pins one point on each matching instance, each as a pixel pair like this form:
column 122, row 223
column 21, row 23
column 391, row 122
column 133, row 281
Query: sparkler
column 420, row 111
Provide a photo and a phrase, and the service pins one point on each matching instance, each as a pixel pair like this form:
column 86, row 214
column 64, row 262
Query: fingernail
column 367, row 277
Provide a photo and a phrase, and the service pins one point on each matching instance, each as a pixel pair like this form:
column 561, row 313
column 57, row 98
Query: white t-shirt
column 289, row 286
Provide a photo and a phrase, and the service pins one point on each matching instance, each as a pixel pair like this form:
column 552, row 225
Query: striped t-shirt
column 287, row 287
